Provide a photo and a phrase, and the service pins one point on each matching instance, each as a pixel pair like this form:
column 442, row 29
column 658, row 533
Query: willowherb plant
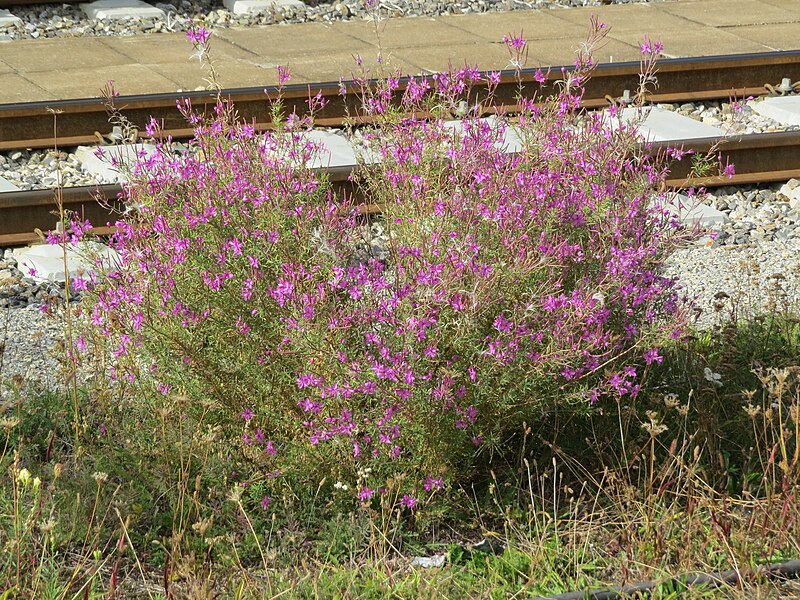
column 512, row 285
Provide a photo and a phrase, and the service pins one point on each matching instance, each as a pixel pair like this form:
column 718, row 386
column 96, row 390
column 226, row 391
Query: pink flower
column 433, row 484
column 265, row 502
column 198, row 35
column 365, row 494
column 729, row 171
column 652, row 356
column 408, row 501
column 284, row 75
column 248, row 414
column 516, row 42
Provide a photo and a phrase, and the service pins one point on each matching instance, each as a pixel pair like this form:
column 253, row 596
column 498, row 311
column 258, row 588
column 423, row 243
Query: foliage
column 512, row 285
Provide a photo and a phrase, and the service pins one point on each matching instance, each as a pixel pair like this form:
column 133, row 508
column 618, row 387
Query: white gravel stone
column 30, row 340
column 35, row 169
column 743, row 280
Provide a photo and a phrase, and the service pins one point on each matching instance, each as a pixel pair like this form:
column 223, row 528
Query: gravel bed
column 37, row 169
column 44, row 169
column 31, row 339
column 68, row 20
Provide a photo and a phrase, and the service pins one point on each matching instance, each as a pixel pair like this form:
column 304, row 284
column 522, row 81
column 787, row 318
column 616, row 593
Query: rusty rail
column 30, row 125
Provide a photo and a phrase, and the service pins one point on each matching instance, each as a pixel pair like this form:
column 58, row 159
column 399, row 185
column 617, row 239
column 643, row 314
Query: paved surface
column 49, row 69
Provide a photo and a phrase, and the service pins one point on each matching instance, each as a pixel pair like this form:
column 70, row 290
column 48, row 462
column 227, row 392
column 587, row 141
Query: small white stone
column 244, row 7
column 121, row 9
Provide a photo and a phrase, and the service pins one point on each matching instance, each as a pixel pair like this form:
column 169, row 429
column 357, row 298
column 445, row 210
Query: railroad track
column 758, row 158
column 30, row 124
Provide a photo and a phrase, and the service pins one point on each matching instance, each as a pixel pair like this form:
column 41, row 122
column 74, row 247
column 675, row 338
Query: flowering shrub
column 511, row 285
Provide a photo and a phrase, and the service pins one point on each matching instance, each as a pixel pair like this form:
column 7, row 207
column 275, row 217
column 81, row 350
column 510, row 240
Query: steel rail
column 31, row 124
column 758, row 158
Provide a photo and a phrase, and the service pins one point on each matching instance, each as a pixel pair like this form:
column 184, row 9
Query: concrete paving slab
column 627, row 18
column 58, row 54
column 4, row 68
column 88, row 83
column 232, row 73
column 244, row 73
column 280, row 42
column 695, row 41
column 659, row 125
column 410, row 32
column 435, row 59
column 7, row 19
column 563, row 52
column 14, row 88
column 7, row 186
column 773, row 36
column 784, row 109
column 342, row 64
column 534, row 25
column 182, row 76
column 110, row 10
column 111, row 163
column 45, row 262
column 245, row 7
column 158, row 48
column 791, row 6
column 721, row 13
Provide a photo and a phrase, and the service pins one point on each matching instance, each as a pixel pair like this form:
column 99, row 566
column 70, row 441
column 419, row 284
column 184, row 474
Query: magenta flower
column 408, row 501
column 729, row 171
column 365, row 494
column 517, row 42
column 265, row 502
column 652, row 356
column 284, row 75
column 433, row 484
column 198, row 35
column 247, row 414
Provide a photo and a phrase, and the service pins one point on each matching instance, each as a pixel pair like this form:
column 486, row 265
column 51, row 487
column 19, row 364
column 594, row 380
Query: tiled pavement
column 50, row 69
